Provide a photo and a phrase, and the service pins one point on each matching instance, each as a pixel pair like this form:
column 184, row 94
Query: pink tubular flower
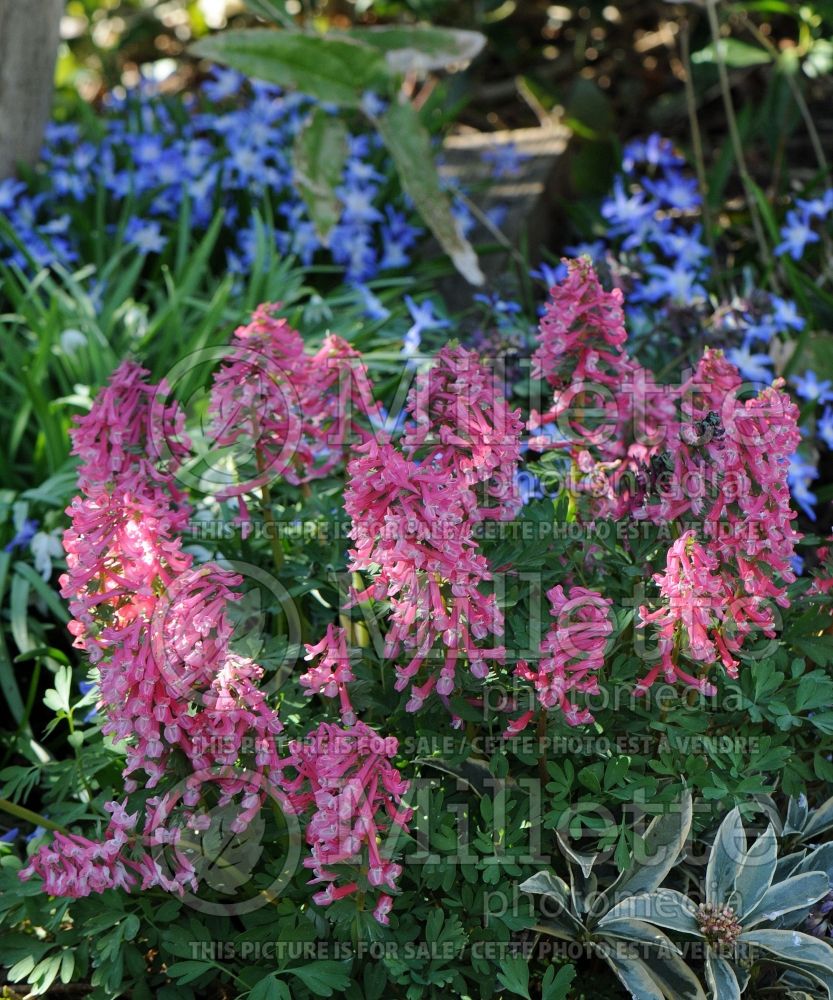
column 581, row 353
column 463, row 425
column 384, row 905
column 112, row 439
column 331, row 675
column 413, row 520
column 699, row 618
column 158, row 632
column 283, row 412
column 823, row 576
column 74, row 866
column 346, row 781
column 255, row 399
column 751, row 521
column 720, row 591
column 336, row 393
column 572, row 654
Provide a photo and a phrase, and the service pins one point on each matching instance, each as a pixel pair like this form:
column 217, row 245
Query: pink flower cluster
column 461, row 425
column 697, row 605
column 289, row 413
column 156, row 627
column 607, row 411
column 353, row 794
column 413, row 516
column 581, row 354
column 332, row 673
column 572, row 653
column 665, row 453
column 75, row 866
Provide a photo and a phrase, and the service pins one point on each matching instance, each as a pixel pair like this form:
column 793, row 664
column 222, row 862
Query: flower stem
column 21, row 812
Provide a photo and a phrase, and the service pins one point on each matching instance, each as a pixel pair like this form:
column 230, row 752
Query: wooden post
column 29, row 36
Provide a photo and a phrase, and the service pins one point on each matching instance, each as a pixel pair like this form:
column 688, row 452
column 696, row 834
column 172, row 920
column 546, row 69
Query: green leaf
column 514, row 976
column 563, row 923
column 318, row 156
column 733, row 53
column 673, row 976
column 410, row 145
column 557, row 986
column 660, row 848
column 56, row 605
column 638, row 931
column 634, row 975
column 272, row 12
column 820, row 819
column 325, row 977
column 335, row 70
column 188, row 971
column 57, row 698
column 824, row 722
column 19, row 610
column 419, row 48
column 67, row 965
column 812, row 956
column 270, row 988
column 820, row 650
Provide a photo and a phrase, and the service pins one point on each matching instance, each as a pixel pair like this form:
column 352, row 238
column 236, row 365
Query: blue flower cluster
column 652, row 230
column 654, row 249
column 228, row 148
column 798, row 233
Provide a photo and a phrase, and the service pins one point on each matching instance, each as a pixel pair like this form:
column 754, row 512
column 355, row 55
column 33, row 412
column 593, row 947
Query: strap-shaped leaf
column 820, row 820
column 663, row 907
column 720, row 978
column 806, row 954
column 796, row 814
column 662, row 843
column 633, row 974
column 788, row 865
column 674, row 977
column 726, row 859
column 559, row 920
column 757, row 872
column 628, row 929
column 335, row 70
column 272, row 11
column 410, row 145
column 796, row 893
column 818, row 860
column 582, row 880
column 545, row 883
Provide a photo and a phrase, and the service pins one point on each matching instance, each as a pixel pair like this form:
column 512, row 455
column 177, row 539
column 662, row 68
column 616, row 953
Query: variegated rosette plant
column 752, row 905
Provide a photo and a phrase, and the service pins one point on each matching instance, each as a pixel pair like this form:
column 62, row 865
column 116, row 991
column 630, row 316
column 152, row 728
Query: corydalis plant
column 572, row 653
column 353, row 793
column 722, row 461
column 414, row 511
column 279, row 412
column 172, row 688
column 156, row 628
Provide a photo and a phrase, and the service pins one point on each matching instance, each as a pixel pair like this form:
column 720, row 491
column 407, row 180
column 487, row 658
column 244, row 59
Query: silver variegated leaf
column 726, row 859
column 757, row 872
